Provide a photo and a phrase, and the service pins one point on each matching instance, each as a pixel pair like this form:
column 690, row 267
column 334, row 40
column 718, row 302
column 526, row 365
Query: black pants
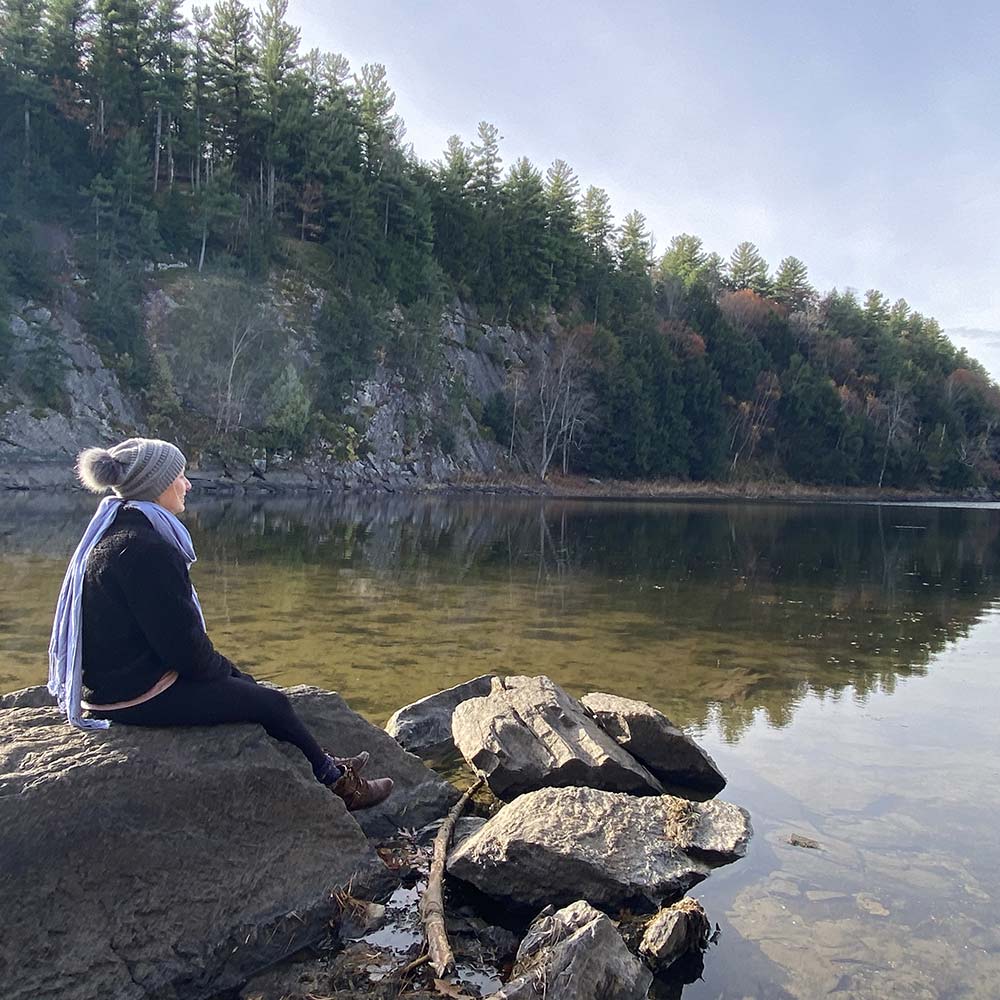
column 232, row 699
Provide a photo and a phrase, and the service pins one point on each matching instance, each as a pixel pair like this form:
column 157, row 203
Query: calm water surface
column 839, row 662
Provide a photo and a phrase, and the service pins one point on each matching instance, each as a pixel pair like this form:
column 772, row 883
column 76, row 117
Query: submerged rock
column 427, row 723
column 140, row 863
column 655, row 742
column 673, row 932
column 558, row 845
column 575, row 953
column 527, row 733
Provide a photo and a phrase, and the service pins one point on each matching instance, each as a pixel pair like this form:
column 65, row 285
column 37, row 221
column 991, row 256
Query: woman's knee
column 273, row 705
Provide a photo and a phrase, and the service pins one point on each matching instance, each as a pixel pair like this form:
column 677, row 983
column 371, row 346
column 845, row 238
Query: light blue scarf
column 65, row 647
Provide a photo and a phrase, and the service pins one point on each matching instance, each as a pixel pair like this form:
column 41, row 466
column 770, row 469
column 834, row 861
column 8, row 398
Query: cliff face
column 41, row 430
column 59, row 396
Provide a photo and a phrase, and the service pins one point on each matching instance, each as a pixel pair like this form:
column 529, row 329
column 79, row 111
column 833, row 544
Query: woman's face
column 173, row 496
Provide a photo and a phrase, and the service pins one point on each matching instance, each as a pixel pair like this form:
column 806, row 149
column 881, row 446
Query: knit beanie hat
column 136, row 469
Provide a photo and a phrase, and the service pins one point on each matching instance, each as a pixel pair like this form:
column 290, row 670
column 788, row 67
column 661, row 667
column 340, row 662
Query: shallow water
column 838, row 661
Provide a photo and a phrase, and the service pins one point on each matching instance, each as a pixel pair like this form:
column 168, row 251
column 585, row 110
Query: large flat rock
column 654, row 741
column 173, row 863
column 558, row 845
column 528, row 733
column 575, row 953
column 427, row 723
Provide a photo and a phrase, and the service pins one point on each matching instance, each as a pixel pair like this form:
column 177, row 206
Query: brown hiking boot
column 358, row 793
column 356, row 763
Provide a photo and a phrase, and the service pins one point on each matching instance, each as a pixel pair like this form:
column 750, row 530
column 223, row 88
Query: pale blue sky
column 860, row 137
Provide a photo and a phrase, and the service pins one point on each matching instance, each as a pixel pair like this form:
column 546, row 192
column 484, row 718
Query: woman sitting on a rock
column 129, row 632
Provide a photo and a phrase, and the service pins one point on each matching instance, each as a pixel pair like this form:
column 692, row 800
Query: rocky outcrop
column 427, row 723
column 575, row 953
column 57, row 396
column 142, row 863
column 674, row 931
column 557, row 845
column 527, row 733
column 650, row 737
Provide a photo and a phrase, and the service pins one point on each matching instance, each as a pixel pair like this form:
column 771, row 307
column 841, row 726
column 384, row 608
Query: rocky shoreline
column 189, row 866
column 366, row 476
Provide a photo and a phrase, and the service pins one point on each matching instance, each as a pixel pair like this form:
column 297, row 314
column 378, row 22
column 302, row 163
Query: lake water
column 838, row 661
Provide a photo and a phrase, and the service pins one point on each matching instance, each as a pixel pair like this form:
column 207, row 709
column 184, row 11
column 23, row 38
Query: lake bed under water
column 838, row 662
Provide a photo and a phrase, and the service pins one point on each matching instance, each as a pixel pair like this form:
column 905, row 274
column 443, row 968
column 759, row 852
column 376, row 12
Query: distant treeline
column 219, row 140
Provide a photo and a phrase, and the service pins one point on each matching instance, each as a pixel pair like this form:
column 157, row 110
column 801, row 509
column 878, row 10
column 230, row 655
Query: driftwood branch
column 432, row 903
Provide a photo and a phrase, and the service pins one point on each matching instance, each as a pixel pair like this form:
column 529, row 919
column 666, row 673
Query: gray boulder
column 427, row 723
column 675, row 930
column 33, row 697
column 650, row 737
column 420, row 796
column 527, row 733
column 557, row 845
column 140, row 863
column 575, row 953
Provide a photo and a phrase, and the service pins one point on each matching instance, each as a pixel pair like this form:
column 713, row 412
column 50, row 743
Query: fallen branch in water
column 432, row 903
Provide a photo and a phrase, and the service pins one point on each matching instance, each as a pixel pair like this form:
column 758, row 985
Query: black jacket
column 139, row 619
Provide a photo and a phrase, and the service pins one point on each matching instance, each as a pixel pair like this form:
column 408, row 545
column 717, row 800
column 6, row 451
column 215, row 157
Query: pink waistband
column 158, row 688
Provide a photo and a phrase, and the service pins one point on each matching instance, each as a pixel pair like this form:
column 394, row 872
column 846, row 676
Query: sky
column 861, row 137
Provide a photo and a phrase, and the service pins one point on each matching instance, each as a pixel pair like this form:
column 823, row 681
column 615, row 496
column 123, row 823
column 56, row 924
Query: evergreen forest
column 220, row 141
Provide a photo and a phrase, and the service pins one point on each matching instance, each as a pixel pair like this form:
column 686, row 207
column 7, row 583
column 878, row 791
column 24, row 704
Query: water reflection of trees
column 753, row 606
column 783, row 599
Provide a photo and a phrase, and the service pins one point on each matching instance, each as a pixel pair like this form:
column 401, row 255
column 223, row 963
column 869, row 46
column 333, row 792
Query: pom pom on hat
column 97, row 469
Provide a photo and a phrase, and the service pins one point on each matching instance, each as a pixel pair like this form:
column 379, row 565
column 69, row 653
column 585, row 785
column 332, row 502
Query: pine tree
column 791, row 285
column 635, row 244
column 562, row 191
column 166, row 88
column 684, row 258
column 63, row 29
column 525, row 212
column 713, row 273
column 21, row 56
column 119, row 67
column 454, row 171
column 278, row 44
column 748, row 269
column 381, row 129
column 231, row 60
column 486, row 165
column 198, row 83
column 597, row 224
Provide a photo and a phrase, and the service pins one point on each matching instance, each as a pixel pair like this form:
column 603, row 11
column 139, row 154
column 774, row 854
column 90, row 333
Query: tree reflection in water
column 708, row 610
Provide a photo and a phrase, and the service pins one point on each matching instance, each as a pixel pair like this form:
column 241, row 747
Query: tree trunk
column 204, row 240
column 513, row 424
column 270, row 191
column 302, row 236
column 432, row 902
column 885, row 458
column 156, row 148
column 27, row 134
column 170, row 153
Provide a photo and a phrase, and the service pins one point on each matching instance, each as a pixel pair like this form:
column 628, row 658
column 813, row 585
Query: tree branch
column 432, row 902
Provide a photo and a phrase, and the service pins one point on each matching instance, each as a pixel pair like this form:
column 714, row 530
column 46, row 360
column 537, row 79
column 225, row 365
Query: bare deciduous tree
column 752, row 417
column 225, row 349
column 556, row 401
column 895, row 414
